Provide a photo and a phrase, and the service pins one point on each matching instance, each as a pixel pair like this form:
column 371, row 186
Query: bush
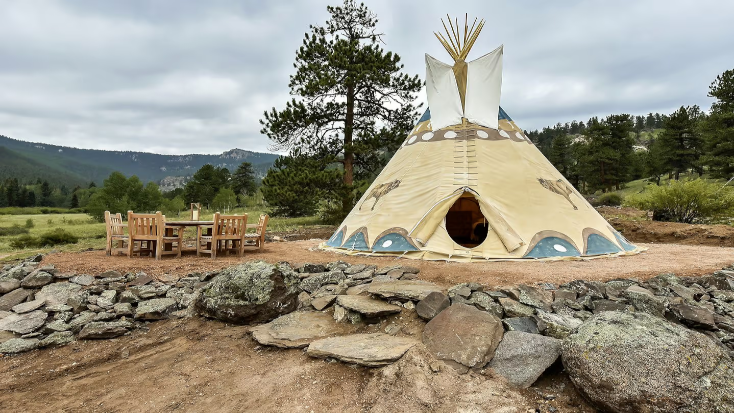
column 14, row 230
column 57, row 236
column 609, row 199
column 24, row 241
column 29, row 223
column 685, row 201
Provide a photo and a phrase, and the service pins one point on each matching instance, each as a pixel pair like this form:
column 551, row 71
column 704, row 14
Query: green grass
column 92, row 234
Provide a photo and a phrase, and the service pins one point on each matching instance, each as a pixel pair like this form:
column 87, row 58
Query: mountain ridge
column 94, row 165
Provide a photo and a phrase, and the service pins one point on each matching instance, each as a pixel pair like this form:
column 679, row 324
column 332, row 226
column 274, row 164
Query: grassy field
column 92, row 233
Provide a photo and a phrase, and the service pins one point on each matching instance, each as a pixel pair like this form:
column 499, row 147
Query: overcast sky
column 183, row 76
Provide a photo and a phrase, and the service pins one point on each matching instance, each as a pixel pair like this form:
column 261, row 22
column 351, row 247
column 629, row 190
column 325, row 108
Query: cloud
column 181, row 76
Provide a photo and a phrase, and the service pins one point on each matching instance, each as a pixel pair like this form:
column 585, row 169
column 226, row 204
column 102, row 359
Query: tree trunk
column 348, row 154
column 677, row 174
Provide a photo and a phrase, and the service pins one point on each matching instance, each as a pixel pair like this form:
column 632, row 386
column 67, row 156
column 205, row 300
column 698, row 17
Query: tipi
column 468, row 185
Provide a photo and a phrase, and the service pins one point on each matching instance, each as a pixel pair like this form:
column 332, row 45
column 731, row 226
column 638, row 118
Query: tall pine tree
column 680, row 143
column 718, row 127
column 353, row 99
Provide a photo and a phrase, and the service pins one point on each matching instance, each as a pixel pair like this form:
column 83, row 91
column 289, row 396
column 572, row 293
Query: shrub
column 14, row 230
column 685, row 201
column 58, row 236
column 24, row 241
column 609, row 199
column 29, row 223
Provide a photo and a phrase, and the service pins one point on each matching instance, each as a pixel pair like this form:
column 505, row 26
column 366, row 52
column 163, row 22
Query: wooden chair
column 255, row 240
column 172, row 236
column 195, row 211
column 226, row 235
column 116, row 238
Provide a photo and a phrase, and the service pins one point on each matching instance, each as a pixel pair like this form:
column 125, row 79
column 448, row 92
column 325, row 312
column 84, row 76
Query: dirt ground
column 659, row 258
column 204, row 366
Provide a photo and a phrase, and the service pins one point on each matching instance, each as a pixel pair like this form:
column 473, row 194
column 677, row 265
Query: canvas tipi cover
column 466, row 165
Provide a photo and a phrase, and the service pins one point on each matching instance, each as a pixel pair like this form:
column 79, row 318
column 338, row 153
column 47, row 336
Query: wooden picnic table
column 170, row 225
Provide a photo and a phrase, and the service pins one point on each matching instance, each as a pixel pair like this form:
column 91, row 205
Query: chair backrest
column 262, row 224
column 114, row 224
column 145, row 225
column 230, row 224
column 195, row 211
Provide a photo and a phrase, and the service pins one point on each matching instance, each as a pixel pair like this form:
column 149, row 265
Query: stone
column 64, row 316
column 557, row 325
column 462, row 290
column 104, row 316
column 343, row 315
column 535, row 297
column 726, row 296
column 304, row 300
column 362, row 275
column 484, row 302
column 312, row 268
column 694, row 316
column 463, row 334
column 28, row 306
column 110, row 274
column 57, row 308
column 409, row 305
column 81, row 320
column 358, row 289
column 523, row 324
column 392, row 329
column 607, row 305
column 57, row 339
column 4, row 314
column 583, row 315
column 58, row 293
column 140, row 279
column 128, row 297
column 144, row 292
column 315, row 281
column 354, row 269
column 8, row 285
column 18, row 345
column 511, row 292
column 643, row 300
column 107, row 299
column 514, row 309
column 720, row 280
column 55, row 326
column 371, row 350
column 413, row 290
column 594, row 289
column 155, row 309
column 409, row 276
column 432, row 305
column 562, row 294
column 522, row 357
column 36, row 279
column 102, row 329
column 24, row 323
column 298, row 329
column 636, row 362
column 83, row 279
column 366, row 306
column 323, row 301
column 395, row 274
column 13, row 298
column 385, row 270
column 330, row 289
column 249, row 293
column 123, row 309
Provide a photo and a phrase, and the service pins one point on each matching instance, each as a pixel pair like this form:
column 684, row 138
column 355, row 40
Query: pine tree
column 354, row 101
column 560, row 153
column 718, row 127
column 680, row 143
column 243, row 180
column 74, row 201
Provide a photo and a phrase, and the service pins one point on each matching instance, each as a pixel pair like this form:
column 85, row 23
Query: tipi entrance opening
column 465, row 223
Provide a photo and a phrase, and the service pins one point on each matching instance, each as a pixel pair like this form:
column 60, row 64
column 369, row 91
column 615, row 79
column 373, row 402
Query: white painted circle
column 482, row 134
column 412, row 139
column 504, row 134
column 427, row 136
column 449, row 135
column 559, row 248
column 519, row 135
column 387, row 243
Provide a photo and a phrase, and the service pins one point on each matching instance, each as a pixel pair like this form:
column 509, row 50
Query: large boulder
column 522, row 357
column 23, row 323
column 58, row 293
column 18, row 345
column 155, row 309
column 636, row 362
column 432, row 305
column 367, row 306
column 13, row 298
column 413, row 290
column 463, row 334
column 102, row 329
column 250, row 293
column 298, row 329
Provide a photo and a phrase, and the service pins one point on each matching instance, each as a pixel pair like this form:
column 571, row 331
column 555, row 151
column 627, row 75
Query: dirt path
column 660, row 258
column 199, row 365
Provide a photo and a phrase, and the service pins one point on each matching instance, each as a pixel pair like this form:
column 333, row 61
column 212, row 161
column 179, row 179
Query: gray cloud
column 189, row 76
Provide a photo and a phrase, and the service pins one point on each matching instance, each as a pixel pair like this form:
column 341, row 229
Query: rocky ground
column 626, row 344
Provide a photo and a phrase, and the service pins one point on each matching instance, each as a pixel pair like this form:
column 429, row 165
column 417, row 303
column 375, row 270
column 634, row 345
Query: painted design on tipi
column 394, row 240
column 551, row 244
column 595, row 243
column 560, row 187
column 379, row 191
column 358, row 240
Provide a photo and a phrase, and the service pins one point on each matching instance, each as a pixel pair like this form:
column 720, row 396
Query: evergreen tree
column 294, row 186
column 655, row 165
column 205, row 184
column 560, row 154
column 622, row 142
column 74, row 201
column 243, row 180
column 650, row 121
column 354, row 101
column 680, row 143
column 46, row 191
column 718, row 127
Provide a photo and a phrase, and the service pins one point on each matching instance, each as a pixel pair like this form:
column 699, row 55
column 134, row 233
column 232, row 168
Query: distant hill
column 26, row 160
